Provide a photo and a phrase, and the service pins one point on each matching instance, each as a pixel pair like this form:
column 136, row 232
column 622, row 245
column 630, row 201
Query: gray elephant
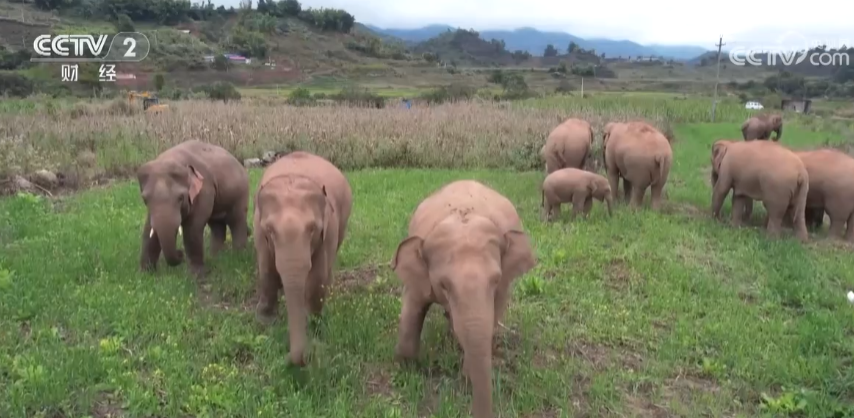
column 302, row 208
column 191, row 185
column 641, row 155
column 761, row 127
column 465, row 248
column 568, row 145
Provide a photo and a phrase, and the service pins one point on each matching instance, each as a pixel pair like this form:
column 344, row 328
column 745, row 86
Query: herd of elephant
column 465, row 244
column 796, row 187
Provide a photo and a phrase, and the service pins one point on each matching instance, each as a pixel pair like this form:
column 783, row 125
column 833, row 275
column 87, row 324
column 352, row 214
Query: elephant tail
column 800, row 196
column 662, row 162
column 542, row 197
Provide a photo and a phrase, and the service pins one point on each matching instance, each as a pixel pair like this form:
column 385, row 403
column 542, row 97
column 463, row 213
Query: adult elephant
column 765, row 171
column 831, row 190
column 568, row 145
column 465, row 248
column 191, row 185
column 761, row 127
column 641, row 155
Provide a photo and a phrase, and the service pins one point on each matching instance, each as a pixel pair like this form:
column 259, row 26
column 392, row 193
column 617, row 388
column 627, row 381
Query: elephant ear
column 410, row 266
column 196, row 182
column 718, row 152
column 517, row 258
column 592, row 187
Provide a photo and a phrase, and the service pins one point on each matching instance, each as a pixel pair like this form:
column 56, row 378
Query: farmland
column 639, row 314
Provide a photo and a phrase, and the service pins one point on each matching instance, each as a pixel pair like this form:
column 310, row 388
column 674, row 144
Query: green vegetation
column 683, row 316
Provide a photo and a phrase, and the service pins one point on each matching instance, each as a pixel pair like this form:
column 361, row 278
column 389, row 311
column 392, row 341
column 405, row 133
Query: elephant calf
column 831, row 190
column 760, row 170
column 191, row 185
column 573, row 185
column 568, row 145
column 641, row 155
column 302, row 207
column 465, row 247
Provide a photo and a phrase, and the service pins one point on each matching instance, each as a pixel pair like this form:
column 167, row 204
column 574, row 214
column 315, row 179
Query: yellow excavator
column 150, row 102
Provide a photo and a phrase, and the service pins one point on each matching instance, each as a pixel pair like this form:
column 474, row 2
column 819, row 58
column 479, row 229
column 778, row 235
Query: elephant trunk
column 165, row 224
column 608, row 201
column 293, row 264
column 473, row 324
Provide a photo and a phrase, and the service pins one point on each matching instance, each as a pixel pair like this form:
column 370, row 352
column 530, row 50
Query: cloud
column 742, row 22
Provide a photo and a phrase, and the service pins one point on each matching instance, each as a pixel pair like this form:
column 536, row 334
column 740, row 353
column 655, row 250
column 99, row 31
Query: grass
column 642, row 314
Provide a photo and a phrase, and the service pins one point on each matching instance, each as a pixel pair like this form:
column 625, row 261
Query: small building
column 796, row 105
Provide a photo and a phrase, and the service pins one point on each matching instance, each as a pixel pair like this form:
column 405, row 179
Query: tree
column 550, row 51
column 124, row 23
column 159, row 82
column 573, row 47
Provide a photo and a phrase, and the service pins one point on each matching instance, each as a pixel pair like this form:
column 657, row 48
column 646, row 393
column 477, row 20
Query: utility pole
column 720, row 44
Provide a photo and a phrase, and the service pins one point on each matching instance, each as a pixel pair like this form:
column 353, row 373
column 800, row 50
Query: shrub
column 221, row 90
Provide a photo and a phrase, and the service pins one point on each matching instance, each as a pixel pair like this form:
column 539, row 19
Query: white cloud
column 741, row 22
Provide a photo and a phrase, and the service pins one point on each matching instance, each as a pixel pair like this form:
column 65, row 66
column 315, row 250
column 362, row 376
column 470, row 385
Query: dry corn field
column 461, row 135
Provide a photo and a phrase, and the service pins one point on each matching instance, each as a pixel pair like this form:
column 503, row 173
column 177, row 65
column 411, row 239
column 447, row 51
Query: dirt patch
column 107, row 405
column 359, row 277
column 642, row 407
column 602, row 357
column 684, row 209
column 378, row 381
column 618, row 275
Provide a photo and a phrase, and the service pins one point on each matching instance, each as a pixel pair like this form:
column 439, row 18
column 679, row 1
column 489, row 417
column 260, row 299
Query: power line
column 720, row 44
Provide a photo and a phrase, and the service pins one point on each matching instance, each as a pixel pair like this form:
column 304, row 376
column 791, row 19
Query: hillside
column 535, row 41
column 283, row 41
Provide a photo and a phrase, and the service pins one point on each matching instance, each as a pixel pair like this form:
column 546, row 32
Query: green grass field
column 641, row 314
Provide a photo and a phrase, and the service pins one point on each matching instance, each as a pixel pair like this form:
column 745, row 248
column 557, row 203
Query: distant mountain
column 535, row 41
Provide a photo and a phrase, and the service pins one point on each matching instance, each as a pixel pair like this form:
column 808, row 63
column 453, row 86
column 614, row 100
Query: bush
column 15, row 85
column 301, row 97
column 221, row 90
column 352, row 96
column 450, row 93
column 124, row 24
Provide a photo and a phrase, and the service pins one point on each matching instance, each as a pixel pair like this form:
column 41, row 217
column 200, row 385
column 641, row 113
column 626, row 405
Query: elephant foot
column 265, row 315
column 198, row 271
column 147, row 267
column 297, row 359
column 405, row 353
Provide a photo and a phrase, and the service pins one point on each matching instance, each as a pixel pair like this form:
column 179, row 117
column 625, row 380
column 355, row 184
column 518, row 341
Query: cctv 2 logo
column 131, row 46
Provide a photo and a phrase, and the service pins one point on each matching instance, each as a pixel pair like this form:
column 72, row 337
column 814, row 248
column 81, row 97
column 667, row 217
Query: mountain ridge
column 535, row 41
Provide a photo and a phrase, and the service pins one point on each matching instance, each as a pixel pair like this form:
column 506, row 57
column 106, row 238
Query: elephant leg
column 748, row 209
column 239, row 229
column 627, row 190
column 614, row 181
column 837, row 226
column 217, row 239
column 554, row 212
column 849, row 230
column 637, row 196
column 150, row 253
column 502, row 300
column 655, row 195
column 775, row 216
column 194, row 246
column 577, row 204
column 413, row 311
column 738, row 205
column 267, row 288
column 588, row 205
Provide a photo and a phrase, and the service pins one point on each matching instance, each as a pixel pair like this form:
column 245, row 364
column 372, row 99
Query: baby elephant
column 302, row 207
column 573, row 185
column 465, row 248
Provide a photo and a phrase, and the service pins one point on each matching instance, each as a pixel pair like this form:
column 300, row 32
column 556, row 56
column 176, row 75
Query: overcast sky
column 652, row 21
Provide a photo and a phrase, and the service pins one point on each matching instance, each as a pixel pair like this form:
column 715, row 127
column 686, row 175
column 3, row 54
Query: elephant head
column 168, row 188
column 774, row 123
column 600, row 189
column 464, row 262
column 718, row 152
column 293, row 215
